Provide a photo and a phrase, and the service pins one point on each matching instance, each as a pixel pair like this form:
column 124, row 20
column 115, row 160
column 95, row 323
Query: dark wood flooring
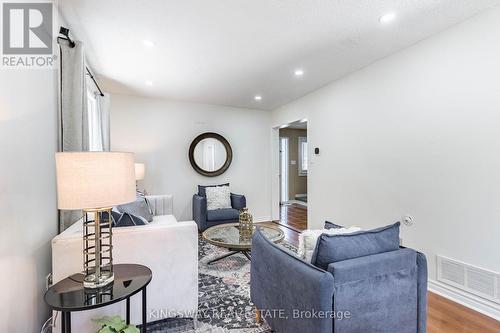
column 444, row 316
column 293, row 216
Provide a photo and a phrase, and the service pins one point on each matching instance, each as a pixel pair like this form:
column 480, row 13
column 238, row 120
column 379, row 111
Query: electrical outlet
column 407, row 220
column 48, row 281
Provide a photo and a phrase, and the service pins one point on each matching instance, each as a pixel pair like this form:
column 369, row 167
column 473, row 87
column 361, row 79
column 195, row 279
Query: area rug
column 224, row 297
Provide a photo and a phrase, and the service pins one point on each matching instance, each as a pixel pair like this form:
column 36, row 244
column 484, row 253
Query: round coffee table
column 228, row 236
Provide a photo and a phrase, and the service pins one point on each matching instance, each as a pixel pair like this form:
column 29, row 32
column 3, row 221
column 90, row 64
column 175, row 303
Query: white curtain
column 98, row 117
column 83, row 113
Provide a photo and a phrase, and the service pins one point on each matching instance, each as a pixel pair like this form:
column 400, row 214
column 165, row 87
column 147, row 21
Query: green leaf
column 106, row 329
column 115, row 323
column 131, row 329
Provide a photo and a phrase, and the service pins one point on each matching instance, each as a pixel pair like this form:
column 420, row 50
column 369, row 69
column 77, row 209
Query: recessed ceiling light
column 298, row 72
column 387, row 18
column 258, row 97
column 149, row 83
column 149, row 43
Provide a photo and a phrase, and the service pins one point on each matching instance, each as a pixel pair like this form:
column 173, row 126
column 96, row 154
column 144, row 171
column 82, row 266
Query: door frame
column 275, row 169
column 284, row 189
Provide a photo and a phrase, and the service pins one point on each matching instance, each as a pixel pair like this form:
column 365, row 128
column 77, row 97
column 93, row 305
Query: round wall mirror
column 210, row 154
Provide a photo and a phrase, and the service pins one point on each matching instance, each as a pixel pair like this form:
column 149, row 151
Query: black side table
column 69, row 295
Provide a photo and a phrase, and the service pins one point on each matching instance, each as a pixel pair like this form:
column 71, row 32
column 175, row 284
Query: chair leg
column 258, row 316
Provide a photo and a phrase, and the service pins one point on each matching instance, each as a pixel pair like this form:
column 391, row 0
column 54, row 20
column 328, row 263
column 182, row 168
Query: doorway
column 293, row 169
column 283, row 169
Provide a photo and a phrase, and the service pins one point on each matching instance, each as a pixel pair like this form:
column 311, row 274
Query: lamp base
column 97, row 248
column 92, row 281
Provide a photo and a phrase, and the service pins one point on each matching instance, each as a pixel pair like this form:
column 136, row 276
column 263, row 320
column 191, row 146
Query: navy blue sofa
column 209, row 218
column 380, row 293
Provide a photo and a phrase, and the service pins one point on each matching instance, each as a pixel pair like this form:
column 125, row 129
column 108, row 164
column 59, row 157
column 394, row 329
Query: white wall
column 416, row 133
column 159, row 132
column 28, row 213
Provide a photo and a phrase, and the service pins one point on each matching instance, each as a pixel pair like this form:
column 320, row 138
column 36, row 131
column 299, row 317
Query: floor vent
column 474, row 280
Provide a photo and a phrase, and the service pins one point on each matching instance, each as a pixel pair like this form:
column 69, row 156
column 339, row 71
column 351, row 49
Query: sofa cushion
column 202, row 188
column 139, row 207
column 223, row 214
column 334, row 248
column 164, row 219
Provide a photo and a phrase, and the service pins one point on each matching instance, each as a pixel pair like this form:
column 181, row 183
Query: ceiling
column 226, row 52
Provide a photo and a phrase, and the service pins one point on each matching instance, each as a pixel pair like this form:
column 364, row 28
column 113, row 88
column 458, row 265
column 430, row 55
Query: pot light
column 298, row 72
column 149, row 43
column 149, row 83
column 258, row 97
column 387, row 18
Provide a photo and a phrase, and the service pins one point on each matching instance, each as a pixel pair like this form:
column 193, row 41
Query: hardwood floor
column 443, row 315
column 294, row 216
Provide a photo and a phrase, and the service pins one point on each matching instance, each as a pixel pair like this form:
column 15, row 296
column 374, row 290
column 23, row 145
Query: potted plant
column 115, row 324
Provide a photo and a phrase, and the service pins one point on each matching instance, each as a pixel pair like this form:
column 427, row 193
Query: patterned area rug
column 224, row 296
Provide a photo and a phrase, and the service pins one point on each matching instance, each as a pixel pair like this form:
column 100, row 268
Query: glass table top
column 228, row 236
column 70, row 295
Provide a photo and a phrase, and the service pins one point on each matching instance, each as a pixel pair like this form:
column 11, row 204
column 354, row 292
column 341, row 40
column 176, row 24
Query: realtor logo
column 27, row 28
column 27, row 31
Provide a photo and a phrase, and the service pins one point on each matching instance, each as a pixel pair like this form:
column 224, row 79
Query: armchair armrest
column 200, row 211
column 161, row 204
column 273, row 277
column 238, row 201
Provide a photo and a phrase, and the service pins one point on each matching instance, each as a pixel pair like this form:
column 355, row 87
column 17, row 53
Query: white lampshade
column 88, row 180
column 140, row 171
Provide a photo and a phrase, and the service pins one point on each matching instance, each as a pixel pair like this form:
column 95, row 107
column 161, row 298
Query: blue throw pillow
column 330, row 225
column 202, row 189
column 139, row 207
column 126, row 220
column 333, row 248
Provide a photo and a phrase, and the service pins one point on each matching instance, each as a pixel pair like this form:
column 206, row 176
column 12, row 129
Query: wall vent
column 475, row 280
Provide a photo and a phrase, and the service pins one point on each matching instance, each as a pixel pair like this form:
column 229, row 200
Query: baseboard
column 473, row 302
column 261, row 219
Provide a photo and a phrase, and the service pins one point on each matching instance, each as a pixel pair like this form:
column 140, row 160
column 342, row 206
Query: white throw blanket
column 309, row 238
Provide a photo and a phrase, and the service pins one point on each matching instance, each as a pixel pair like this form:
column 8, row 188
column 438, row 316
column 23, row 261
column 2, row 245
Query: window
column 303, row 161
column 94, row 119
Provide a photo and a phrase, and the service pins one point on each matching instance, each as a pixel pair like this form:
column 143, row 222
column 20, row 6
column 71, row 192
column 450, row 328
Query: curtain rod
column 65, row 32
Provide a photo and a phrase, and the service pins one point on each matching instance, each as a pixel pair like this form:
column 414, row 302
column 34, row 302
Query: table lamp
column 140, row 171
column 94, row 182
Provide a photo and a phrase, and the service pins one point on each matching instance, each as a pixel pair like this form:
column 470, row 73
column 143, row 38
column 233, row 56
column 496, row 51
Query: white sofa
column 169, row 248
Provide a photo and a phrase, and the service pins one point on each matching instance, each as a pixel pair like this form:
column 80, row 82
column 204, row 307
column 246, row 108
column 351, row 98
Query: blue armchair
column 381, row 293
column 209, row 218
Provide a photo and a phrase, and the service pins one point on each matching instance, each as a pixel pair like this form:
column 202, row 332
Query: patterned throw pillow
column 218, row 197
column 139, row 207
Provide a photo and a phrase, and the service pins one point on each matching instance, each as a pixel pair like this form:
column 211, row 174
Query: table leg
column 66, row 322
column 223, row 256
column 247, row 254
column 144, row 305
column 128, row 311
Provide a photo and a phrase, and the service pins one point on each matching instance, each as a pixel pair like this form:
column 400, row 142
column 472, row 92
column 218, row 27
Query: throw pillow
column 218, row 197
column 126, row 220
column 202, row 189
column 139, row 207
column 309, row 238
column 331, row 225
column 333, row 248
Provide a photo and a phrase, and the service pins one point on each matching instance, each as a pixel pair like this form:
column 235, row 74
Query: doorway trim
column 284, row 168
column 275, row 169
